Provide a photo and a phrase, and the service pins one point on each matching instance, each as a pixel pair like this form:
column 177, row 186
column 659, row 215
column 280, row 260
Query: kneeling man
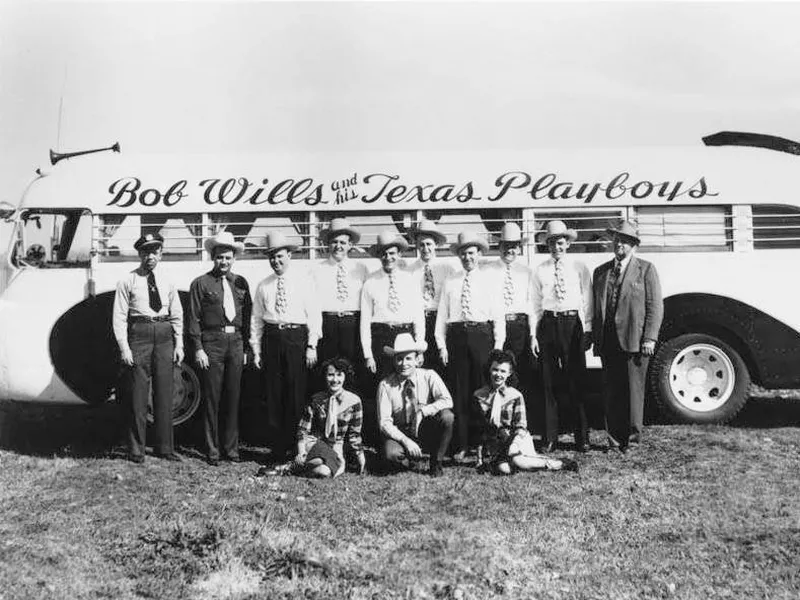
column 414, row 409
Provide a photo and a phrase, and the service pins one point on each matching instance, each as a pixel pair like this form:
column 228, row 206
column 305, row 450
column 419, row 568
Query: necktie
column 332, row 420
column 561, row 286
column 508, row 288
column 227, row 300
column 152, row 292
column 612, row 292
column 280, row 296
column 341, row 283
column 466, row 297
column 497, row 405
column 394, row 299
column 411, row 406
column 428, row 289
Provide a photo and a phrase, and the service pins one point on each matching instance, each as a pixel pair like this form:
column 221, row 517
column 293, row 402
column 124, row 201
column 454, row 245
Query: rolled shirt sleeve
column 119, row 318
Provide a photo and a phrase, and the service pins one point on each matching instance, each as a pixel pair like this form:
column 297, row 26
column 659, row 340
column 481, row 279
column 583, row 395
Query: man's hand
column 362, row 463
column 586, row 342
column 177, row 357
column 412, row 448
column 443, row 355
column 371, row 366
column 648, row 347
column 535, row 347
column 127, row 357
column 257, row 361
column 311, row 357
column 202, row 359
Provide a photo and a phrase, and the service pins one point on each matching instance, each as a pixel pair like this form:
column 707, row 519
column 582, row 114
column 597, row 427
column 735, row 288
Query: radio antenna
column 61, row 109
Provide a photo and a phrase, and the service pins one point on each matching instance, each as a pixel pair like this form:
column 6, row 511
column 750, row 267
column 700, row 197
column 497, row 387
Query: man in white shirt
column 562, row 306
column 430, row 273
column 414, row 409
column 515, row 282
column 285, row 328
column 470, row 322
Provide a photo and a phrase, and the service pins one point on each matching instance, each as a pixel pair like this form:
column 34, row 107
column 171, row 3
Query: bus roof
column 342, row 182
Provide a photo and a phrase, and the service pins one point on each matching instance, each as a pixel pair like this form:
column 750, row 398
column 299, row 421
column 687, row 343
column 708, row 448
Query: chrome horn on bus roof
column 57, row 156
column 758, row 140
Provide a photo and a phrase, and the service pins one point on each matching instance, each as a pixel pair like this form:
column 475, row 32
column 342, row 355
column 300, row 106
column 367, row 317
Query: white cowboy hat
column 557, row 229
column 387, row 239
column 225, row 239
column 278, row 241
column 468, row 238
column 511, row 234
column 626, row 229
column 403, row 343
column 338, row 226
column 428, row 228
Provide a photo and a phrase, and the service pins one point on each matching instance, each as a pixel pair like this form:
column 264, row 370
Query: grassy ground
column 696, row 512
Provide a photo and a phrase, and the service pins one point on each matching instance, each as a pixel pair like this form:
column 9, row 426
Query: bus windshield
column 53, row 239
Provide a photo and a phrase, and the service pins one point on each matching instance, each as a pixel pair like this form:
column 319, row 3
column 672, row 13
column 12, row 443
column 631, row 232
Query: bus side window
column 775, row 226
column 485, row 223
column 685, row 228
column 252, row 228
column 589, row 225
column 116, row 235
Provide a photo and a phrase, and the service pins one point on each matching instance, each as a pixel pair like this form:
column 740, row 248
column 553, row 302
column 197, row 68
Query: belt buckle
column 343, row 313
column 282, row 326
column 229, row 329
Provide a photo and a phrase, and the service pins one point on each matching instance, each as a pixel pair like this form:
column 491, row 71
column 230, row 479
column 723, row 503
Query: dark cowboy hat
column 626, row 229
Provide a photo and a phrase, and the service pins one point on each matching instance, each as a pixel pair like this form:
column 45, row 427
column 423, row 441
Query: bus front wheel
column 698, row 378
column 186, row 396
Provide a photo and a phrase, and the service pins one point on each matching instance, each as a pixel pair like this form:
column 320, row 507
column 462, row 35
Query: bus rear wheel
column 186, row 396
column 698, row 378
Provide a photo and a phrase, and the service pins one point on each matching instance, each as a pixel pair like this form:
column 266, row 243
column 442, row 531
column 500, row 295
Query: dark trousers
column 468, row 348
column 341, row 338
column 433, row 359
column 435, row 433
column 222, row 383
column 152, row 346
column 563, row 361
column 518, row 341
column 283, row 358
column 624, row 377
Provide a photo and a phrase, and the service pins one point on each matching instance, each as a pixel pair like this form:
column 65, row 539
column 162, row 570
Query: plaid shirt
column 349, row 419
column 512, row 413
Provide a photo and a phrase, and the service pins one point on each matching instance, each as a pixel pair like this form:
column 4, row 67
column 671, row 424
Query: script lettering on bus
column 395, row 194
column 289, row 191
column 127, row 191
column 549, row 186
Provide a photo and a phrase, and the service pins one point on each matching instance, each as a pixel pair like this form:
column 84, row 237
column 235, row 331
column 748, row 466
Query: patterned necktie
column 497, row 406
column 561, row 286
column 341, row 283
column 411, row 406
column 508, row 288
column 428, row 289
column 332, row 419
column 466, row 297
column 227, row 300
column 152, row 292
column 612, row 291
column 280, row 296
column 394, row 299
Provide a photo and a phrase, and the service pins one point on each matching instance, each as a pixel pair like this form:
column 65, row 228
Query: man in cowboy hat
column 628, row 310
column 430, row 273
column 219, row 327
column 470, row 323
column 285, row 328
column 414, row 409
column 516, row 281
column 148, row 325
column 562, row 306
column 339, row 281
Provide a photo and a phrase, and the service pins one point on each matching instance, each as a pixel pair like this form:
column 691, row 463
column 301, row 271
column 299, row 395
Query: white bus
column 722, row 225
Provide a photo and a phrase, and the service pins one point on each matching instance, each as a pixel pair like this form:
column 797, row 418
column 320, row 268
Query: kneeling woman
column 332, row 418
column 506, row 445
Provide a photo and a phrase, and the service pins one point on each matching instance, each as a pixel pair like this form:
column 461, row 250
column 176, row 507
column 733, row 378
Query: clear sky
column 337, row 76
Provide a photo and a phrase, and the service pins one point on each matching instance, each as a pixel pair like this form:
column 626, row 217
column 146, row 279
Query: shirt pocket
column 210, row 297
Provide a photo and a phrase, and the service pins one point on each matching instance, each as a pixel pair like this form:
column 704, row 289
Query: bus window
column 251, row 229
column 685, row 228
column 118, row 233
column 485, row 223
column 369, row 225
column 776, row 226
column 53, row 239
column 589, row 225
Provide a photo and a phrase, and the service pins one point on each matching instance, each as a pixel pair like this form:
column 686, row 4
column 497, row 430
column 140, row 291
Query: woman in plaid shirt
column 504, row 425
column 332, row 418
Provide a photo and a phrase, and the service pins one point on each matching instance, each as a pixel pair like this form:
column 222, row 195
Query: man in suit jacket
column 628, row 309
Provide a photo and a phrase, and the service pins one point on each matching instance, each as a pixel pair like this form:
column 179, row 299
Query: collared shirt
column 375, row 306
column 393, row 416
column 301, row 306
column 522, row 277
column 486, row 304
column 133, row 300
column 325, row 276
column 206, row 309
column 440, row 270
column 578, row 296
column 349, row 420
column 512, row 411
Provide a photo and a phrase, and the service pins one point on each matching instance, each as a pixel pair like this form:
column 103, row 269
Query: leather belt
column 561, row 313
column 282, row 326
column 470, row 324
column 148, row 319
column 341, row 313
column 391, row 325
column 430, row 311
column 516, row 317
column 222, row 329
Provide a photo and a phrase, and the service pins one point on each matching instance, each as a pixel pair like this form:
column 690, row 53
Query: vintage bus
column 721, row 223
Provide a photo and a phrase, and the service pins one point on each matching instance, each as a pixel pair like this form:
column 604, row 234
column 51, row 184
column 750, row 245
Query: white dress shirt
column 440, row 270
column 302, row 306
column 375, row 306
column 486, row 304
column 325, row 276
column 578, row 296
column 522, row 276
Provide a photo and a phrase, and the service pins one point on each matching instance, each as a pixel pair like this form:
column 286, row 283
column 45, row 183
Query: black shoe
column 435, row 470
column 171, row 457
column 136, row 458
column 235, row 458
column 549, row 447
column 569, row 465
column 213, row 462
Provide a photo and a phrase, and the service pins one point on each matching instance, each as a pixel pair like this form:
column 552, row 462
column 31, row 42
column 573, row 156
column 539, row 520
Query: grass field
column 695, row 512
